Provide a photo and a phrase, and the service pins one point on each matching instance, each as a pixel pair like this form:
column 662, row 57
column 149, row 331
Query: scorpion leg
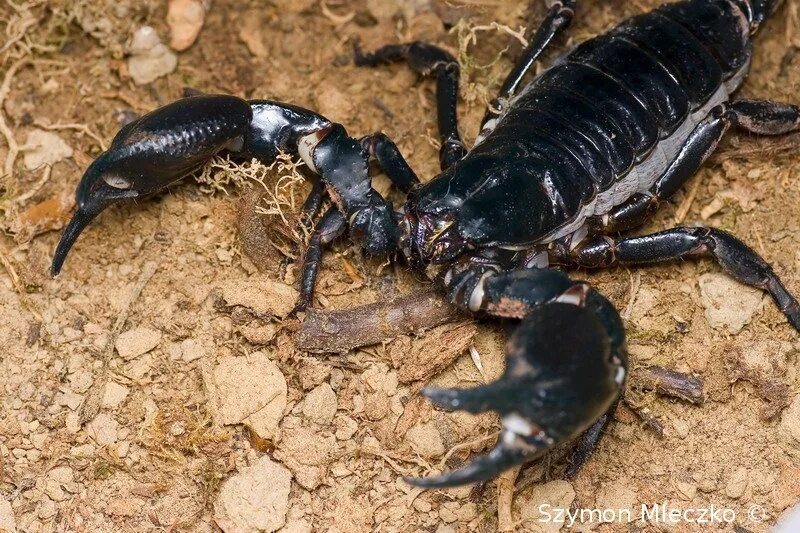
column 428, row 60
column 312, row 205
column 735, row 257
column 391, row 161
column 566, row 364
column 329, row 228
column 759, row 117
column 558, row 18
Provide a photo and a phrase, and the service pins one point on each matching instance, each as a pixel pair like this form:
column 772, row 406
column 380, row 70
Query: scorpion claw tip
column 79, row 221
column 444, row 398
column 483, row 468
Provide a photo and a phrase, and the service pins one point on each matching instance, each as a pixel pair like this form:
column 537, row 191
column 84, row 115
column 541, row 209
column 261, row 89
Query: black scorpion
column 563, row 164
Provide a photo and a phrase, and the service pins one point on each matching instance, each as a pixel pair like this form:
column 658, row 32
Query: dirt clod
column 261, row 296
column 255, row 499
column 44, row 148
column 728, row 304
column 248, row 390
column 136, row 342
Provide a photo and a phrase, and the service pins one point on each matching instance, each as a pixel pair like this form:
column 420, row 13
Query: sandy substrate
column 204, row 414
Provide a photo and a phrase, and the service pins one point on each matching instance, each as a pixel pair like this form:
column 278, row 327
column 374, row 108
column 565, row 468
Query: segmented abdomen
column 618, row 108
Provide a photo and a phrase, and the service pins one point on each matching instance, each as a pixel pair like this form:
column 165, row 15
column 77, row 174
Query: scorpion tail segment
column 565, row 371
column 485, row 467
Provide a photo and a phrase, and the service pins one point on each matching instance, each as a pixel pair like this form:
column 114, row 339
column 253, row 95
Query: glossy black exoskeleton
column 563, row 164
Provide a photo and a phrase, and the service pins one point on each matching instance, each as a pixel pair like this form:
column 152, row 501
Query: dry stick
column 24, row 197
column 13, row 148
column 669, row 383
column 505, row 499
column 82, row 128
column 686, row 204
column 91, row 404
column 343, row 330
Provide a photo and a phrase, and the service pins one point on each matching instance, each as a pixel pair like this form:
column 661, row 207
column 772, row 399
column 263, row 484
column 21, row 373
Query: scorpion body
column 562, row 165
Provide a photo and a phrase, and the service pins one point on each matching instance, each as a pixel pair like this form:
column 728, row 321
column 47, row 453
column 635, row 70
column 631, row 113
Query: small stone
column 103, row 429
column 255, row 499
column 177, row 429
column 81, row 381
column 790, row 423
column 150, row 59
column 185, row 19
column 192, row 350
column 346, row 427
column 136, row 342
column 422, row 505
column 62, row 474
column 114, row 394
column 249, row 390
column 262, row 296
column 426, row 440
column 737, row 483
column 72, row 422
column 44, row 148
column 7, row 521
column 555, row 494
column 615, row 495
column 69, row 399
column 681, row 428
column 54, row 491
column 38, row 440
column 727, row 302
column 307, row 453
column 320, row 405
column 384, row 10
column 687, row 490
column 47, row 509
column 252, row 36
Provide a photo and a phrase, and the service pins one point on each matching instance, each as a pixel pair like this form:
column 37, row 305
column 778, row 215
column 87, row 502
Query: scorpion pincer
column 563, row 164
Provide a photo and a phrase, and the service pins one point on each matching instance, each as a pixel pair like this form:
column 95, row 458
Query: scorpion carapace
column 563, row 164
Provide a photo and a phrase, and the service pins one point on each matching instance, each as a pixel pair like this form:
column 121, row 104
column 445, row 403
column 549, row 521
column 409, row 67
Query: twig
column 22, row 198
column 91, row 404
column 343, row 330
column 505, row 499
column 632, row 402
column 83, row 128
column 636, row 283
column 668, row 383
column 465, row 446
column 12, row 272
column 686, row 204
column 13, row 148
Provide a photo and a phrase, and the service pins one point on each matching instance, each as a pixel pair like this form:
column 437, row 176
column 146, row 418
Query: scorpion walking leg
column 391, row 161
column 759, row 117
column 558, row 18
column 428, row 60
column 566, row 364
column 329, row 228
column 735, row 257
column 312, row 204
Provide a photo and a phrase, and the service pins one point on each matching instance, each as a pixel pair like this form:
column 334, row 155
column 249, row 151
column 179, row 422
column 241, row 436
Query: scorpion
column 564, row 165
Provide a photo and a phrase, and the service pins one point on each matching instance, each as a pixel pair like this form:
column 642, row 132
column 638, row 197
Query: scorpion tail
column 563, row 373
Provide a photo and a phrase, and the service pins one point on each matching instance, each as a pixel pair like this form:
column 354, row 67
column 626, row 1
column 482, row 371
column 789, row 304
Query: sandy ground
column 204, row 414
